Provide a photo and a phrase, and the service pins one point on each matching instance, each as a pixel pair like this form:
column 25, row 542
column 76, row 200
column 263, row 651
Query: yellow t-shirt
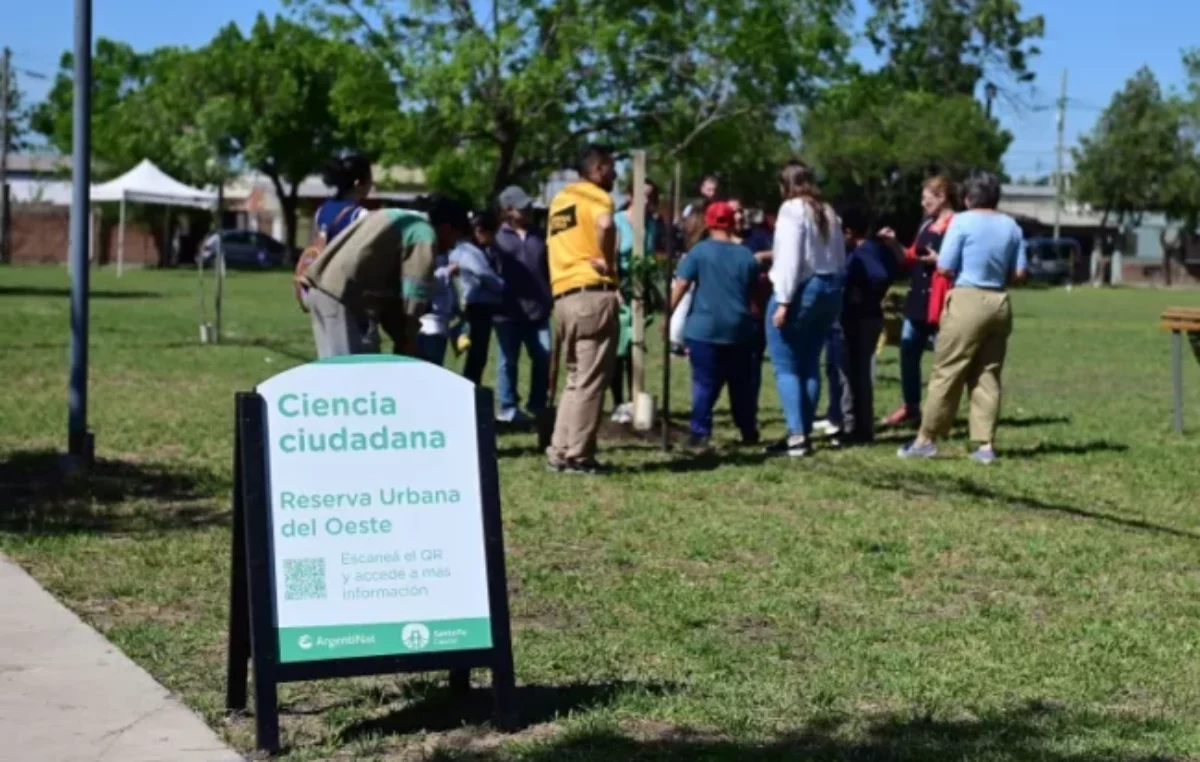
column 572, row 239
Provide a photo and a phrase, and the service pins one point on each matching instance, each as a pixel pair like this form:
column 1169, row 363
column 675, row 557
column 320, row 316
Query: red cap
column 720, row 216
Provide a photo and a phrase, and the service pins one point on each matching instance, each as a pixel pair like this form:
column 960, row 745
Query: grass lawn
column 850, row 607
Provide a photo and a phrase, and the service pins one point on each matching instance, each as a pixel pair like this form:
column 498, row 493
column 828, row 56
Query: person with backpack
column 350, row 177
column 380, row 270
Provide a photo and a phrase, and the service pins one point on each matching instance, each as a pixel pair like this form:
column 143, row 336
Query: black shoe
column 751, row 440
column 791, row 447
column 699, row 445
column 587, row 467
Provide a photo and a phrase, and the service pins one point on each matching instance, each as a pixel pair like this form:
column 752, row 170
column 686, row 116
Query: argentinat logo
column 305, row 642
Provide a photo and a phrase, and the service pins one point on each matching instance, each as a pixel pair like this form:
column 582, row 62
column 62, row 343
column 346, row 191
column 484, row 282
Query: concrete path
column 68, row 695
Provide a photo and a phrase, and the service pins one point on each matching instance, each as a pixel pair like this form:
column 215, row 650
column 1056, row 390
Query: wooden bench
column 1179, row 320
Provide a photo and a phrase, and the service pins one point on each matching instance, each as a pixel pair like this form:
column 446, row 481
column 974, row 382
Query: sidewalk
column 68, row 695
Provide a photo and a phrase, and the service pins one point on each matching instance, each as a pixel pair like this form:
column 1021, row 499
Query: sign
column 368, row 495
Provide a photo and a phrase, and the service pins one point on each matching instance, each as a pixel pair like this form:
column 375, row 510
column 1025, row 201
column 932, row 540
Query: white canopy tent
column 147, row 184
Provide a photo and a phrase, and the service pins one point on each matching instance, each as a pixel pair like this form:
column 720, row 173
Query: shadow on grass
column 433, row 707
column 65, row 293
column 1037, row 732
column 37, row 496
column 1049, row 448
column 925, row 484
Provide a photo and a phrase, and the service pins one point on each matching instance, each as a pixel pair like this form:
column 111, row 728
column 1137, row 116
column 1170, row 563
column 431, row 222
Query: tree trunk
column 287, row 206
column 504, row 167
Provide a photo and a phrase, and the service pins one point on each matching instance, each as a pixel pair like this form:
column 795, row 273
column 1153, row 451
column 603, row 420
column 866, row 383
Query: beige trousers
column 971, row 347
column 586, row 330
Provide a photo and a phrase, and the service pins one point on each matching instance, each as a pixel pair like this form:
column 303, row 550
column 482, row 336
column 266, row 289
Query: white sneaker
column 623, row 414
column 825, row 428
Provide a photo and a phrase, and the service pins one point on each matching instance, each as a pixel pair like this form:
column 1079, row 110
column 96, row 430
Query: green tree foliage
column 17, row 117
column 948, row 46
column 875, row 142
column 1123, row 167
column 522, row 84
column 120, row 136
column 282, row 100
column 878, row 135
column 285, row 100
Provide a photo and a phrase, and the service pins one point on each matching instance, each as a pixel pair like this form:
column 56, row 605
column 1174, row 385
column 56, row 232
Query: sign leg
column 1177, row 372
column 259, row 573
column 239, row 595
column 266, row 714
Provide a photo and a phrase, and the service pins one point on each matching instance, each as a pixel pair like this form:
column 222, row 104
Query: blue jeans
column 914, row 340
column 834, row 352
column 536, row 339
column 714, row 366
column 432, row 348
column 796, row 348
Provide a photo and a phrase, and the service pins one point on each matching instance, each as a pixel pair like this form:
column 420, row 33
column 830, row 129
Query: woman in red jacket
column 926, row 292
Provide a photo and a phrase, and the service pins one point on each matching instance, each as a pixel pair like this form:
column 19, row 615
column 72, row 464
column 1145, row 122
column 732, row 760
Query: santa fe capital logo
column 415, row 636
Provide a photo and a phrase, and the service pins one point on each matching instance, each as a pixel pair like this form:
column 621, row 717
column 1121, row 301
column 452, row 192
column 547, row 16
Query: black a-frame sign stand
column 252, row 628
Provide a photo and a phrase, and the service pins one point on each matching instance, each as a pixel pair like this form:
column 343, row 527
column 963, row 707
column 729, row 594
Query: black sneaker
column 791, row 447
column 699, row 445
column 751, row 440
column 583, row 468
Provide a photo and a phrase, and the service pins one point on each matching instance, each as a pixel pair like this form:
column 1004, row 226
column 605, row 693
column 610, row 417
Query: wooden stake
column 637, row 216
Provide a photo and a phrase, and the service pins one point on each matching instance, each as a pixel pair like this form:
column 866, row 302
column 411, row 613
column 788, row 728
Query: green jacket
column 381, row 266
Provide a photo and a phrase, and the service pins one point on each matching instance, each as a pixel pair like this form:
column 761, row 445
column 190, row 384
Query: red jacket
column 940, row 285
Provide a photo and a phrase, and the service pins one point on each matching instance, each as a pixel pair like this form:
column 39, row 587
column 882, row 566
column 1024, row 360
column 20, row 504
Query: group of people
column 808, row 280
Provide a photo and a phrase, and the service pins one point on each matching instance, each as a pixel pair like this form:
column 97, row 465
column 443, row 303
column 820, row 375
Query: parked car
column 246, row 249
column 1051, row 260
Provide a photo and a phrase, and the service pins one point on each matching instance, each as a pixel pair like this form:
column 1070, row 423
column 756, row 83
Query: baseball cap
column 513, row 197
column 719, row 216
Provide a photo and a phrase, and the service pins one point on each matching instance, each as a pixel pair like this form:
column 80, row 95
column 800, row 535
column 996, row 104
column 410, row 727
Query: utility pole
column 1058, row 177
column 1058, row 158
column 6, row 78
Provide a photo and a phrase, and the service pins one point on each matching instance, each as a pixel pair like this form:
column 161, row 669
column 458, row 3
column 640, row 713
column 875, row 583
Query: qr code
column 304, row 579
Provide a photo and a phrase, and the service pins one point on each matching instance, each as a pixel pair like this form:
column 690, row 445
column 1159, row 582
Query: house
column 1137, row 255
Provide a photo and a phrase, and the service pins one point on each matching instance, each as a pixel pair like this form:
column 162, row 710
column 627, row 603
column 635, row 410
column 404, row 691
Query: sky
column 1101, row 42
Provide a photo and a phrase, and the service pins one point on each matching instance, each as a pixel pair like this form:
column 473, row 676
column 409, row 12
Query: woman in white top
column 806, row 300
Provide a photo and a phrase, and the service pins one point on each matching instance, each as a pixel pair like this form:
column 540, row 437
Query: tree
column 948, row 46
column 877, row 142
column 282, row 100
column 1181, row 187
column 523, row 83
column 17, row 115
column 120, row 136
column 1121, row 168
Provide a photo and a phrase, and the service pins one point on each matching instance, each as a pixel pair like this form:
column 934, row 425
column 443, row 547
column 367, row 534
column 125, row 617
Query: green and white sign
column 377, row 534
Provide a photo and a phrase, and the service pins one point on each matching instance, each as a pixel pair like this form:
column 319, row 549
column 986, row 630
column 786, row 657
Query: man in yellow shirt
column 581, row 238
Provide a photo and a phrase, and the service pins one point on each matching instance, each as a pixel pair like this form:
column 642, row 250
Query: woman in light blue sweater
column 982, row 253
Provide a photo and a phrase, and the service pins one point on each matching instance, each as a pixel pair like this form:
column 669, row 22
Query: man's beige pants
column 586, row 330
column 971, row 346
